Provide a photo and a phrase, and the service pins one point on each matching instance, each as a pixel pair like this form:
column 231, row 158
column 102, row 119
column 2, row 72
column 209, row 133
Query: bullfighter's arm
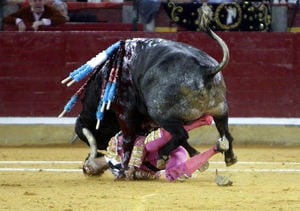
column 135, row 161
column 138, row 152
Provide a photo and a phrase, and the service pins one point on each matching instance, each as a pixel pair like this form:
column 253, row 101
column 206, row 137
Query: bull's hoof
column 231, row 161
column 222, row 145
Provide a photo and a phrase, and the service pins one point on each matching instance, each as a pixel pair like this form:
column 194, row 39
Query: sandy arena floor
column 266, row 178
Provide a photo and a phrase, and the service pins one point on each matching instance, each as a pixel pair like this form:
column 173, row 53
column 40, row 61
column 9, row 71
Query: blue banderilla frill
column 109, row 87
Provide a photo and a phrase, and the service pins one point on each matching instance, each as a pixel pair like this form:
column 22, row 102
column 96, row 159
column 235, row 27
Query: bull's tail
column 205, row 18
column 225, row 50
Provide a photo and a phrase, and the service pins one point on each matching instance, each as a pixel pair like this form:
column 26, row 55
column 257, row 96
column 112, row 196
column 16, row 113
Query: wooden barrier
column 263, row 75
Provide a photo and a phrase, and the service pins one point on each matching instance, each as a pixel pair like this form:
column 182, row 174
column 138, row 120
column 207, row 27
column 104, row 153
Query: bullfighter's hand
column 121, row 175
column 21, row 26
column 37, row 24
column 130, row 173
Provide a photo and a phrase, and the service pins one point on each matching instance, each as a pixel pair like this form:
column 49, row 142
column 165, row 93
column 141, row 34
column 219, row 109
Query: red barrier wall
column 263, row 75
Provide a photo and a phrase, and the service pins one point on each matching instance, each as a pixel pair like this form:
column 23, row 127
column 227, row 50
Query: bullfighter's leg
column 222, row 126
column 187, row 167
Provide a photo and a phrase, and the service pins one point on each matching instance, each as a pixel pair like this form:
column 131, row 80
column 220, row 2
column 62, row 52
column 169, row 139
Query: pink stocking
column 177, row 168
column 198, row 161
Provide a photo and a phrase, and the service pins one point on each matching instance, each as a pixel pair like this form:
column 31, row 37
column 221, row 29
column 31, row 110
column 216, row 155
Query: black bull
column 160, row 83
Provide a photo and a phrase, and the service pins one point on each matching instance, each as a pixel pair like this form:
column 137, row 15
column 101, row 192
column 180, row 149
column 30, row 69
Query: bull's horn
column 92, row 142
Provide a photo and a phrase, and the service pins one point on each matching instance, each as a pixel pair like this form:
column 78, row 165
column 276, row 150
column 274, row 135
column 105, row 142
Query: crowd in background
column 8, row 7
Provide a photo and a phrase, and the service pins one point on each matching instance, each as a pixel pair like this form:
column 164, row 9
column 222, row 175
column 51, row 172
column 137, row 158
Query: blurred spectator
column 1, row 13
column 36, row 15
column 220, row 1
column 61, row 6
column 148, row 9
column 82, row 15
column 8, row 7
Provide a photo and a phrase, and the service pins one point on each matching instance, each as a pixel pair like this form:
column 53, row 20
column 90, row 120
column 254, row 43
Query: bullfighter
column 145, row 163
